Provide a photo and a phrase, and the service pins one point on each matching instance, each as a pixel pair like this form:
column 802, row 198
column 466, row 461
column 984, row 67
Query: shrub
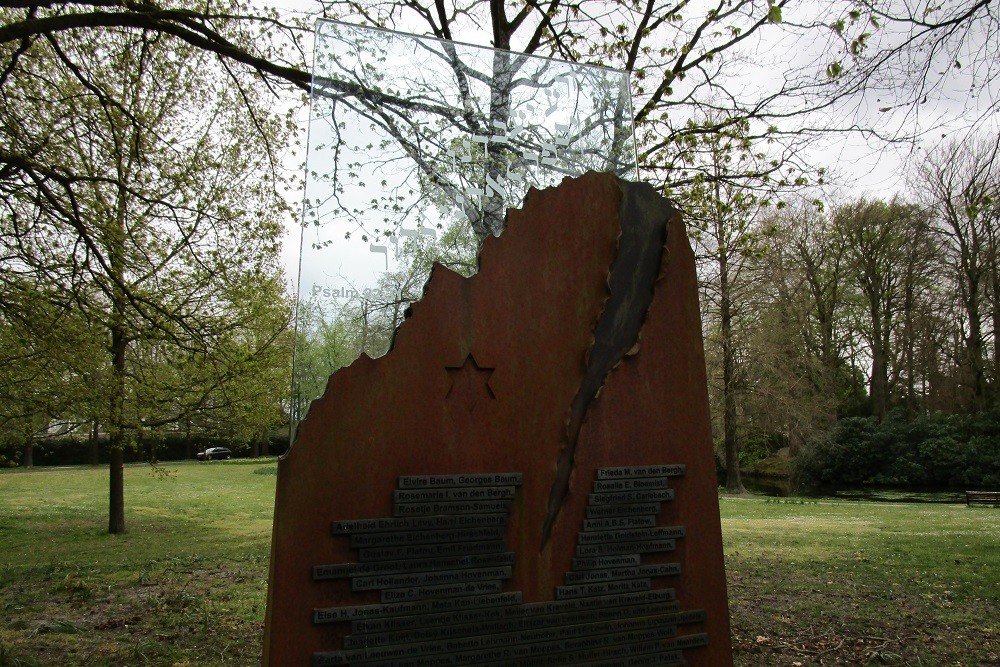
column 930, row 450
column 159, row 447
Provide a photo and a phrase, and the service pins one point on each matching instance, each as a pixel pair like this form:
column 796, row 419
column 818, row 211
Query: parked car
column 215, row 453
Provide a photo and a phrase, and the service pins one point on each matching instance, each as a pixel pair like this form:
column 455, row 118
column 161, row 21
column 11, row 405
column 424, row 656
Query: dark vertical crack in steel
column 643, row 217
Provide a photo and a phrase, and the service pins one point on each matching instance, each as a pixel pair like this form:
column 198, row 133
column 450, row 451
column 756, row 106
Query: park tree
column 926, row 64
column 810, row 251
column 876, row 237
column 727, row 218
column 49, row 366
column 685, row 61
column 795, row 350
column 959, row 182
column 687, row 66
column 139, row 189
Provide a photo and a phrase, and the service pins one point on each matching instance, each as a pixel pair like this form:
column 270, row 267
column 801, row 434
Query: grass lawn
column 811, row 583
column 857, row 583
column 185, row 586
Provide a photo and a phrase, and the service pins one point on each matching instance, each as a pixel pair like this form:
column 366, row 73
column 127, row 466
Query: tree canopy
column 140, row 224
column 141, row 168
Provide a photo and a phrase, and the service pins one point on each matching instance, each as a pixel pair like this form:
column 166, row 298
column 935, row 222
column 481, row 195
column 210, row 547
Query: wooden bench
column 982, row 497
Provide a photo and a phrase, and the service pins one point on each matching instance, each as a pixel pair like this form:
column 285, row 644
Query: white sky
column 860, row 166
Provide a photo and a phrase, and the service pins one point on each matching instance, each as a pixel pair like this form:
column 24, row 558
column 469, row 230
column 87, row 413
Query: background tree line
column 862, row 334
column 858, row 325
column 143, row 193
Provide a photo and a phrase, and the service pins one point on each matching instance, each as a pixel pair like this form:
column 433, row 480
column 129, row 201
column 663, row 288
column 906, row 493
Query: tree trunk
column 974, row 347
column 255, row 448
column 364, row 327
column 494, row 208
column 95, row 447
column 878, row 385
column 734, row 481
column 119, row 346
column 995, row 316
column 909, row 342
column 116, row 505
column 116, row 434
column 28, row 455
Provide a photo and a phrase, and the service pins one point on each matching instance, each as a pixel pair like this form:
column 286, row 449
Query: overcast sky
column 859, row 165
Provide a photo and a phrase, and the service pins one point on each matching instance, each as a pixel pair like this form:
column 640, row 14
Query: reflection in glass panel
column 417, row 147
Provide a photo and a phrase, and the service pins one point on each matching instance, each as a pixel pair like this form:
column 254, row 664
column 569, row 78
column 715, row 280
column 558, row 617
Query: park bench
column 982, row 497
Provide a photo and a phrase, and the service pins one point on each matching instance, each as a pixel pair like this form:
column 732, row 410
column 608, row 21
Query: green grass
column 185, row 586
column 811, row 583
column 836, row 582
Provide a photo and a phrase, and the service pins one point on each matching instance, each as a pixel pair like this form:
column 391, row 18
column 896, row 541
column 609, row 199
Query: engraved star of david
column 470, row 383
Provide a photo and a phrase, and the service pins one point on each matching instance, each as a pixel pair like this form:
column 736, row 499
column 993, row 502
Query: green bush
column 936, row 450
column 758, row 446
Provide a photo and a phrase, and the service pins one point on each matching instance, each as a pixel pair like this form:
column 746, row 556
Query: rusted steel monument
column 526, row 477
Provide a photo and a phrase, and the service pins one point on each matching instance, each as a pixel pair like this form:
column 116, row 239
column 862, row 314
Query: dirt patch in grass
column 851, row 622
column 166, row 616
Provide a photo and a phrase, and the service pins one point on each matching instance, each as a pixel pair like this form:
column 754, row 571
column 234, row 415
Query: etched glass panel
column 416, row 149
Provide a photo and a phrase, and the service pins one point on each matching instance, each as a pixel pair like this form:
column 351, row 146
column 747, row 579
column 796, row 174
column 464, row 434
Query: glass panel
column 416, row 149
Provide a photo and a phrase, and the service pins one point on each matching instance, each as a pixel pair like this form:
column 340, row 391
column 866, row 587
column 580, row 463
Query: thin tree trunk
column 364, row 327
column 734, row 481
column 909, row 304
column 116, row 506
column 28, row 454
column 974, row 348
column 909, row 342
column 877, row 386
column 116, row 251
column 95, row 448
column 995, row 316
column 116, row 433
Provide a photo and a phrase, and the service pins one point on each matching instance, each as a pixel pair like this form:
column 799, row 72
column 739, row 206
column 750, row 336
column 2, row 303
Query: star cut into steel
column 470, row 383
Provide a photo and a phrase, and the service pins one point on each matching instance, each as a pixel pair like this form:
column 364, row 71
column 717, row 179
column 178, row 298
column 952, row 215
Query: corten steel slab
column 496, row 374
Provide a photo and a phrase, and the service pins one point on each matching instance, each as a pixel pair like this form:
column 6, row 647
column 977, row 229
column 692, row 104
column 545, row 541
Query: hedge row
column 70, row 451
column 933, row 450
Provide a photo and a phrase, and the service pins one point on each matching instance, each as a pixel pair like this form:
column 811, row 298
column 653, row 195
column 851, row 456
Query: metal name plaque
column 441, row 581
column 417, row 147
column 641, row 509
